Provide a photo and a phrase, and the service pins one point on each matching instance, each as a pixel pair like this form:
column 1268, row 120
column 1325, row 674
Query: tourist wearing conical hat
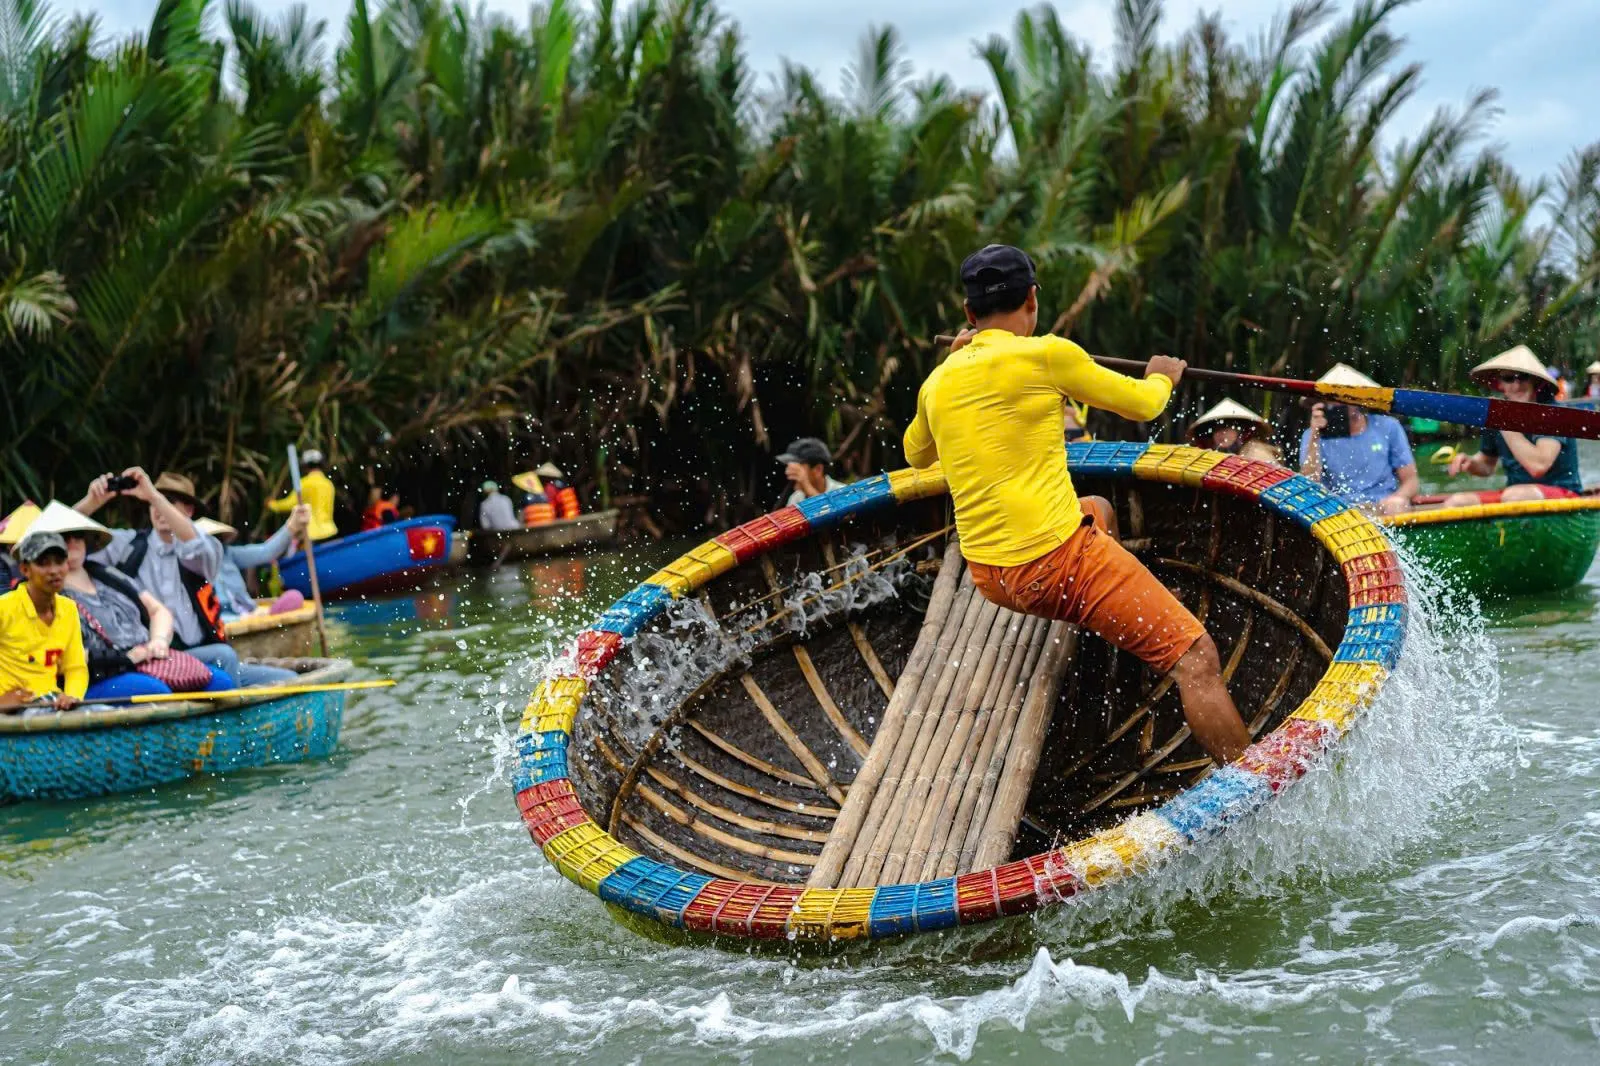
column 1227, row 427
column 239, row 559
column 1362, row 457
column 1592, row 389
column 1538, row 466
column 12, row 528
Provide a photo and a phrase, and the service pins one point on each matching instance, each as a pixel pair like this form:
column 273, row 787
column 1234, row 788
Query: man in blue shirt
column 1538, row 466
column 1373, row 466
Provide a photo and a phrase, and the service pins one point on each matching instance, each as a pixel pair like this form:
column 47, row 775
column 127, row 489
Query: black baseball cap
column 807, row 450
column 997, row 268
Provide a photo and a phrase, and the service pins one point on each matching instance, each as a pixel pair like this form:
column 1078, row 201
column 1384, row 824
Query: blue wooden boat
column 394, row 558
column 95, row 751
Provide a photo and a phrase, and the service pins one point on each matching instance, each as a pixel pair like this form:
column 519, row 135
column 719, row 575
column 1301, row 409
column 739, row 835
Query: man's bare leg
column 1207, row 707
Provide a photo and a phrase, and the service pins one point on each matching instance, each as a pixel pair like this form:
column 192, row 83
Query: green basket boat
column 1506, row 549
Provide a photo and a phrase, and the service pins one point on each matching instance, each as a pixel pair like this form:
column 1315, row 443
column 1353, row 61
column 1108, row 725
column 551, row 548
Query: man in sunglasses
column 1538, row 467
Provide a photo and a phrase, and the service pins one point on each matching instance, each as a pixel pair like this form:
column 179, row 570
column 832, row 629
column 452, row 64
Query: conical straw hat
column 1518, row 360
column 1345, row 374
column 17, row 523
column 1226, row 411
column 551, row 470
column 527, row 481
column 57, row 517
column 1592, row 368
column 221, row 530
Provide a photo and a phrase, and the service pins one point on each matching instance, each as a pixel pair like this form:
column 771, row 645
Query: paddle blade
column 1542, row 418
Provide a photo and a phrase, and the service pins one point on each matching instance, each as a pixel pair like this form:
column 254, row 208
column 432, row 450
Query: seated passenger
column 1227, row 427
column 805, row 464
column 494, row 510
column 12, row 529
column 233, row 592
column 383, row 507
column 177, row 563
column 127, row 633
column 41, row 648
column 1538, row 466
column 1363, row 458
column 1592, row 390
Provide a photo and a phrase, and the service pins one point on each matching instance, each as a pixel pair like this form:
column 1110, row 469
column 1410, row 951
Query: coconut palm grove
column 431, row 234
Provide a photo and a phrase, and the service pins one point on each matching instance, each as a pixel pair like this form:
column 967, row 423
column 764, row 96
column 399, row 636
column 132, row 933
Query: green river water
column 1428, row 897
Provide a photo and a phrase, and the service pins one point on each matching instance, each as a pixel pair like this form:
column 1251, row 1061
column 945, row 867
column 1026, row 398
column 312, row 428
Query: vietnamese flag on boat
column 427, row 542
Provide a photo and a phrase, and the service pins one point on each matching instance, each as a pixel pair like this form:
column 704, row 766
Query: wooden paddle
column 225, row 694
column 311, row 556
column 1481, row 411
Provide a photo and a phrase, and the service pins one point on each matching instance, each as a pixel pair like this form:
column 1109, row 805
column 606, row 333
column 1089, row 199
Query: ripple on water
column 1425, row 896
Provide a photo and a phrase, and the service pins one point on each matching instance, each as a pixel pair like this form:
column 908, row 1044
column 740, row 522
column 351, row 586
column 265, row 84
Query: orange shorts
column 1094, row 582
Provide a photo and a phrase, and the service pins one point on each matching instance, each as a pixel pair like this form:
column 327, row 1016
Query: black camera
column 120, row 483
column 1338, row 417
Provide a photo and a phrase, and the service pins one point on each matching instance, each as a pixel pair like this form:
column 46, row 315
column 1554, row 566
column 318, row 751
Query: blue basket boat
column 394, row 558
column 100, row 750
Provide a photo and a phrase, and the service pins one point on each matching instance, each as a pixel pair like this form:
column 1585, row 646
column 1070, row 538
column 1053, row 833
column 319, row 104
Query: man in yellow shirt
column 39, row 634
column 318, row 493
column 993, row 415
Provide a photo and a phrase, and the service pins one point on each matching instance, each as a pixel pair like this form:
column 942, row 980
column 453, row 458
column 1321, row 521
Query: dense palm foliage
column 451, row 243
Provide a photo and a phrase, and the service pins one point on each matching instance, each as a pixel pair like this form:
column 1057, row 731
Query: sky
column 1533, row 51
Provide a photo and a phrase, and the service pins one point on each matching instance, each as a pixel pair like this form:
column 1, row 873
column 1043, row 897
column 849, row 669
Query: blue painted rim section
column 1462, row 410
column 836, row 505
column 1224, row 797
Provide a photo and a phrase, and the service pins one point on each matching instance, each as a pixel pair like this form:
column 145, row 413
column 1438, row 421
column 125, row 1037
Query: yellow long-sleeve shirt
column 32, row 653
column 318, row 493
column 991, row 414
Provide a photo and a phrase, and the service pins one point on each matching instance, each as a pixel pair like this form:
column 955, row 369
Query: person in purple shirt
column 1372, row 467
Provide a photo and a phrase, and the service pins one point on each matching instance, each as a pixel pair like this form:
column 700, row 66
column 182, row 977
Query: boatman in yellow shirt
column 318, row 493
column 992, row 415
column 41, row 646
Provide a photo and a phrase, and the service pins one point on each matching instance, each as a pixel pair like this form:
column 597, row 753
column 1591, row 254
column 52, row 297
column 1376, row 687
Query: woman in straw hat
column 124, row 627
column 1592, row 389
column 1227, row 427
column 1538, row 466
column 1369, row 464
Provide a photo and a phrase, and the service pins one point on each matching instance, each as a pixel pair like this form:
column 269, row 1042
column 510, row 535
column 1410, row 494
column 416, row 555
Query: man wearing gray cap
column 41, row 646
column 805, row 464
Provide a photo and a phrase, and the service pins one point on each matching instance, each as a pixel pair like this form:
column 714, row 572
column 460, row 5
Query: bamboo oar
column 224, row 694
column 311, row 555
column 1487, row 412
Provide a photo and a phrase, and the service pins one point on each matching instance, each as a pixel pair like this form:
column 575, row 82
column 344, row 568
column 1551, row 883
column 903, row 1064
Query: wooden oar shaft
column 230, row 693
column 1486, row 412
column 311, row 554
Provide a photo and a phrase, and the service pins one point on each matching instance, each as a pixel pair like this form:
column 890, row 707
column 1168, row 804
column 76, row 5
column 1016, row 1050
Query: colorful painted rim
column 585, row 853
column 1526, row 509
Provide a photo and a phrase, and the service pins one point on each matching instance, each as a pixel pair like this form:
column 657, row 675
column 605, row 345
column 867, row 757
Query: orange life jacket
column 538, row 513
column 567, row 502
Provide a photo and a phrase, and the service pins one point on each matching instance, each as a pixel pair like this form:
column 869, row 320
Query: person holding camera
column 1361, row 457
column 178, row 564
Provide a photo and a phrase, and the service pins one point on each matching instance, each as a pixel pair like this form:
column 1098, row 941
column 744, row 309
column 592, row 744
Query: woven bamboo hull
column 1500, row 550
column 96, row 752
column 709, row 814
column 487, row 546
column 291, row 635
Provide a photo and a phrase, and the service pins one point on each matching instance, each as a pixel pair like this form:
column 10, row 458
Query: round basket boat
column 708, row 811
column 1506, row 549
column 98, row 750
